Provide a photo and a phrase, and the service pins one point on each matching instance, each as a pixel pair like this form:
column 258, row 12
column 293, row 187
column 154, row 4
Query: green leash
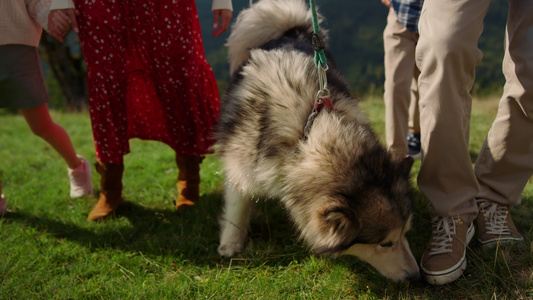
column 320, row 56
column 323, row 99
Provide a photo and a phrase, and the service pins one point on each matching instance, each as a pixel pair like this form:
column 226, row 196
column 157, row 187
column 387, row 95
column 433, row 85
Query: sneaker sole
column 501, row 241
column 415, row 156
column 82, row 194
column 451, row 274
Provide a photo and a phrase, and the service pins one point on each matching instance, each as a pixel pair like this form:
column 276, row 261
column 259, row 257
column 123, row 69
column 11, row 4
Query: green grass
column 49, row 251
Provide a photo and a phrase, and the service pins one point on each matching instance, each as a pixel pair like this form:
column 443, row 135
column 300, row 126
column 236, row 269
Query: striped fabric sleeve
column 222, row 4
column 62, row 4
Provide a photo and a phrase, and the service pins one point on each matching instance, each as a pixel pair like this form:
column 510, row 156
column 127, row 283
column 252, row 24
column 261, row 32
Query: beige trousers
column 401, row 89
column 447, row 55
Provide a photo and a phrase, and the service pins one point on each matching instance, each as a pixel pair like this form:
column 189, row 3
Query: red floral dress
column 147, row 76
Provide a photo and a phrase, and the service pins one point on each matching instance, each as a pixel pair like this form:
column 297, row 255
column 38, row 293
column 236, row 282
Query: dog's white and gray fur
column 343, row 191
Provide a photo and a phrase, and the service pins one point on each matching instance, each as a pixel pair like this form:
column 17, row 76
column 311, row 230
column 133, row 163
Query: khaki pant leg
column 447, row 55
column 505, row 163
column 399, row 44
column 414, row 111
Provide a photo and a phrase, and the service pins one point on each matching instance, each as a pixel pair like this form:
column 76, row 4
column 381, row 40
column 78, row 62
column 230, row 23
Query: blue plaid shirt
column 408, row 12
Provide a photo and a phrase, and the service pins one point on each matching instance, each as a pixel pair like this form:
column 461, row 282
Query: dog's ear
column 405, row 166
column 341, row 221
column 334, row 229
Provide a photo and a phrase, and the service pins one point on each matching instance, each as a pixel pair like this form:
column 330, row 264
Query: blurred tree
column 68, row 67
column 355, row 38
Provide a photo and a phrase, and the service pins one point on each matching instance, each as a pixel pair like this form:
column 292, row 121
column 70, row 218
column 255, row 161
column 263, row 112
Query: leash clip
column 319, row 104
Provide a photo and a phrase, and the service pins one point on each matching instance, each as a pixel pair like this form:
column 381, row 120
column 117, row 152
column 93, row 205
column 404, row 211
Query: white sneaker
column 80, row 179
column 3, row 205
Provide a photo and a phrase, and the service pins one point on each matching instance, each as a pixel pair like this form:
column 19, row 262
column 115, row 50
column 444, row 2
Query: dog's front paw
column 229, row 249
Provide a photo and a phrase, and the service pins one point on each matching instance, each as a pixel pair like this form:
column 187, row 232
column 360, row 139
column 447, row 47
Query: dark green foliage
column 356, row 40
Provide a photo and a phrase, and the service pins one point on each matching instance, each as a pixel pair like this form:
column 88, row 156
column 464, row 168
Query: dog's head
column 364, row 212
column 391, row 256
column 373, row 221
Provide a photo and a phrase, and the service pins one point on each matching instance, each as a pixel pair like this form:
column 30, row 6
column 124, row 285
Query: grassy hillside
column 49, row 251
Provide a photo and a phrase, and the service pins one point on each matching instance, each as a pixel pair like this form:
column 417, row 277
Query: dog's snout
column 413, row 276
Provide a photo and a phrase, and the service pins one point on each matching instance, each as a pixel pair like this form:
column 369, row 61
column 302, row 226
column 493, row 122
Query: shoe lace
column 443, row 228
column 495, row 218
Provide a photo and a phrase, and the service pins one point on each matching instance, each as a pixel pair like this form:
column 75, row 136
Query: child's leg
column 43, row 126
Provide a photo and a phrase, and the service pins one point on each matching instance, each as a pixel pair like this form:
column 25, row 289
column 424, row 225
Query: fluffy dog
column 343, row 191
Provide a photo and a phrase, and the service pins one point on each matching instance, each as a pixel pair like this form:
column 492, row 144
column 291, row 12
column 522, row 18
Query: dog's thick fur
column 343, row 191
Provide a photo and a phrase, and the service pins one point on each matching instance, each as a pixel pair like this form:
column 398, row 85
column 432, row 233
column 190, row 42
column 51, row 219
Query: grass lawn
column 148, row 251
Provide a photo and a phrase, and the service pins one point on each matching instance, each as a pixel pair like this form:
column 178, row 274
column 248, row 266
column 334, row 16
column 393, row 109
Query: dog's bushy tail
column 262, row 22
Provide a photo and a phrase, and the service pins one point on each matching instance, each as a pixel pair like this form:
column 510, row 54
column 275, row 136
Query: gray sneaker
column 495, row 225
column 444, row 259
column 413, row 145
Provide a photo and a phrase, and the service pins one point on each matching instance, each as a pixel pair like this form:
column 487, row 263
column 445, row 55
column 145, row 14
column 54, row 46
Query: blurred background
column 355, row 39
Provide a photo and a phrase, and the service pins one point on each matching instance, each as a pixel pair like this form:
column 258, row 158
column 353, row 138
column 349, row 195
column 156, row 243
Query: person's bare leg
column 43, row 126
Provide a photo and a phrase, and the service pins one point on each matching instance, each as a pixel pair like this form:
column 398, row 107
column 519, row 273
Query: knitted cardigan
column 22, row 21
